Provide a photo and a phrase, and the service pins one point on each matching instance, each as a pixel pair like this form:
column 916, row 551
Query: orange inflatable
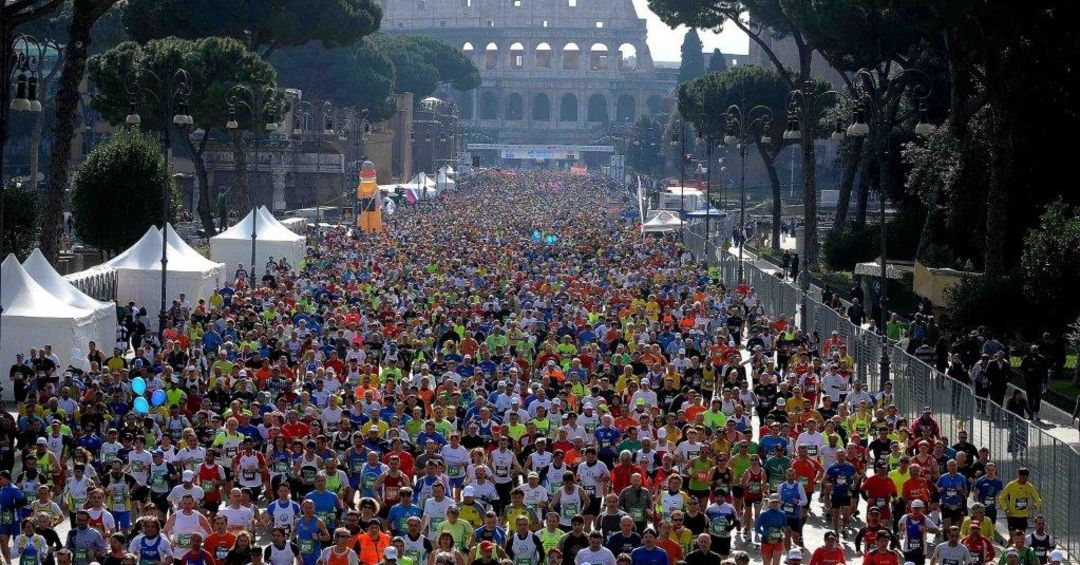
column 369, row 216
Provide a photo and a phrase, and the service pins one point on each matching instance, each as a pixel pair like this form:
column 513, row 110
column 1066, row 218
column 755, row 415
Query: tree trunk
column 203, row 209
column 847, row 182
column 83, row 16
column 243, row 196
column 774, row 183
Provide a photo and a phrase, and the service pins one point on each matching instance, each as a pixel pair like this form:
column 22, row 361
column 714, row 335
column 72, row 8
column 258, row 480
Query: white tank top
column 415, row 548
column 183, row 527
column 283, row 556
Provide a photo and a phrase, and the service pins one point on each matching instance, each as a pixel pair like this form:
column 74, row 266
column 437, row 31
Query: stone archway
column 625, row 108
column 515, row 107
column 541, row 108
column 597, row 109
column 568, row 108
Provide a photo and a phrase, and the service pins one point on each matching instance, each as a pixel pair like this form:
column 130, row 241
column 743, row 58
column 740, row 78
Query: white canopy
column 138, row 273
column 34, row 317
column 424, row 186
column 444, row 182
column 664, row 221
column 710, row 212
column 38, row 267
column 448, row 170
column 233, row 246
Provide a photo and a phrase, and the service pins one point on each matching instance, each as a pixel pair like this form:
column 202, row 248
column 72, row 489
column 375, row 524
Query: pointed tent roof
column 267, row 229
column 268, row 216
column 663, row 221
column 146, row 254
column 710, row 211
column 38, row 267
column 23, row 297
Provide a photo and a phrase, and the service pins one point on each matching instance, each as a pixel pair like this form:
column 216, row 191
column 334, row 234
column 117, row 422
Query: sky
column 664, row 42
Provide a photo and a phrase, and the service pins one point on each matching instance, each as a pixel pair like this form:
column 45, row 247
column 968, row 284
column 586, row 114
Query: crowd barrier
column 1013, row 441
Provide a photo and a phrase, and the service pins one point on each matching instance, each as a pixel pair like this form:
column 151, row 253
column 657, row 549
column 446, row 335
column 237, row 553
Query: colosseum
column 557, row 75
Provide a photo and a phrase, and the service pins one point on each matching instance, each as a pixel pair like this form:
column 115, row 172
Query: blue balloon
column 138, row 385
column 158, row 398
column 140, row 405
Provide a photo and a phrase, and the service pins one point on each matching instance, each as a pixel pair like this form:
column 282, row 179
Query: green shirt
column 775, row 467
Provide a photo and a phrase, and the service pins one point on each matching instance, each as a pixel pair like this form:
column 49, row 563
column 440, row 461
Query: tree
column 1051, row 253
column 706, row 101
column 692, row 64
column 422, row 64
column 22, row 220
column 214, row 65
column 717, row 62
column 84, row 15
column 264, row 27
column 355, row 76
column 767, row 20
column 116, row 194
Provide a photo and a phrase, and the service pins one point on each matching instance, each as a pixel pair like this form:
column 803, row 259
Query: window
column 572, row 3
column 517, row 3
column 599, row 25
column 491, row 23
column 545, row 24
column 467, row 3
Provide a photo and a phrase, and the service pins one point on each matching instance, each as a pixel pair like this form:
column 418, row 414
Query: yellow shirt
column 899, row 478
column 987, row 527
column 1018, row 500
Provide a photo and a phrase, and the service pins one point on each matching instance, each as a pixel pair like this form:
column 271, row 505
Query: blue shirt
column 399, row 517
column 326, row 504
column 770, row 525
column 607, row 439
column 840, row 476
column 987, row 490
column 953, row 489
column 645, row 556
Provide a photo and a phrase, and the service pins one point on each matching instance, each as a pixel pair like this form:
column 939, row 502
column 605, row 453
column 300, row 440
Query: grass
column 1065, row 388
column 1070, row 362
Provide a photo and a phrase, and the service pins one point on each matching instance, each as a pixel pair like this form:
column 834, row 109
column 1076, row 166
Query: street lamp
column 172, row 95
column 24, row 62
column 860, row 127
column 256, row 102
column 678, row 139
column 741, row 126
column 804, row 108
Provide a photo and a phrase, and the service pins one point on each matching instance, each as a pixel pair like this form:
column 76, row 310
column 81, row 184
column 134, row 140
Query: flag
column 410, row 195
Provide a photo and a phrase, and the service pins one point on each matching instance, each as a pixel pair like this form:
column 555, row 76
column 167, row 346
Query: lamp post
column 172, row 94
column 678, row 139
column 257, row 103
column 26, row 100
column 804, row 109
column 867, row 94
column 741, row 126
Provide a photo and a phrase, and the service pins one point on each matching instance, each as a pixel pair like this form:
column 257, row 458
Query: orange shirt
column 916, row 489
column 827, row 556
column 672, row 548
column 219, row 544
column 806, row 471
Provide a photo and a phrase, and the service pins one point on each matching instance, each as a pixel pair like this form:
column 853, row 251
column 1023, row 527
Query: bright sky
column 664, row 42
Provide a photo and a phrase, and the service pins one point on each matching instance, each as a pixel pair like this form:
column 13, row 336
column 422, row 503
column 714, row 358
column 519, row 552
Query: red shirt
column 978, row 547
column 876, row 557
column 877, row 487
column 620, row 475
column 807, row 469
column 828, row 556
column 295, row 430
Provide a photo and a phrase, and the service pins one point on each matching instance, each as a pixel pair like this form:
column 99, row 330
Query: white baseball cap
column 794, row 554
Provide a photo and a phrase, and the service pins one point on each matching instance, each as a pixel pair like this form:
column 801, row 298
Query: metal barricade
column 1012, row 440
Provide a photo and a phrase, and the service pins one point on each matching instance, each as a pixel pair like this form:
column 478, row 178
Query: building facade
column 554, row 72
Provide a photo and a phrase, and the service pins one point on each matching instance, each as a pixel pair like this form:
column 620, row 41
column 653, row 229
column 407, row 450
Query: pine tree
column 693, row 57
column 717, row 62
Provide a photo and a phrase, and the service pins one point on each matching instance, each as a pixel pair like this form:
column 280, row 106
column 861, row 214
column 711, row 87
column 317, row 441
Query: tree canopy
column 124, row 174
column 359, row 75
column 422, row 64
column 692, row 64
column 717, row 62
column 263, row 26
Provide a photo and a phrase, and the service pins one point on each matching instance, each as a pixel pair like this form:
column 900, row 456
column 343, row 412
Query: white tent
column 138, row 273
column 444, row 182
column 664, row 221
column 34, row 317
column 424, row 186
column 233, row 246
column 448, row 170
column 710, row 212
column 38, row 267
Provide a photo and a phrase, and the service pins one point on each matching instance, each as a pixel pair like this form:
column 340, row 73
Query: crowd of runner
column 510, row 374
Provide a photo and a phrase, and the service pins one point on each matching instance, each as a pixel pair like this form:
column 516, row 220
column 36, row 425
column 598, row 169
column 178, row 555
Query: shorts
column 123, row 519
column 140, row 494
column 737, row 492
column 723, row 545
column 915, row 556
column 13, row 529
column 1017, row 523
column 770, row 549
column 953, row 515
column 210, row 505
column 840, row 501
column 752, row 497
column 593, row 509
column 457, row 482
column 699, row 494
column 228, row 474
column 795, row 525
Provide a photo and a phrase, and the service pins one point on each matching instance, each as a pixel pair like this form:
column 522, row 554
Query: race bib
column 249, row 474
column 208, row 485
column 1021, row 503
column 456, row 471
column 307, row 547
column 281, row 467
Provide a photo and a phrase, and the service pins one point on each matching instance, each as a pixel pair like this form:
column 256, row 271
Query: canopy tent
column 710, row 212
column 34, row 317
column 138, row 273
column 448, row 170
column 444, row 182
column 664, row 221
column 233, row 246
column 423, row 186
column 38, row 267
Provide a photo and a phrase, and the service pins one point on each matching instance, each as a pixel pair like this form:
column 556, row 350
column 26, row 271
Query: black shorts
column 795, row 524
column 840, row 501
column 210, row 505
column 916, row 556
column 723, row 545
column 953, row 515
column 140, row 494
column 593, row 509
column 736, row 492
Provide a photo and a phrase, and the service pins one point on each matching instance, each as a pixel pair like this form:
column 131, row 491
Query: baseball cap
column 588, row 405
column 774, row 497
column 189, row 476
column 1057, row 555
column 42, row 441
column 794, row 555
column 390, row 553
column 468, row 491
column 917, row 504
